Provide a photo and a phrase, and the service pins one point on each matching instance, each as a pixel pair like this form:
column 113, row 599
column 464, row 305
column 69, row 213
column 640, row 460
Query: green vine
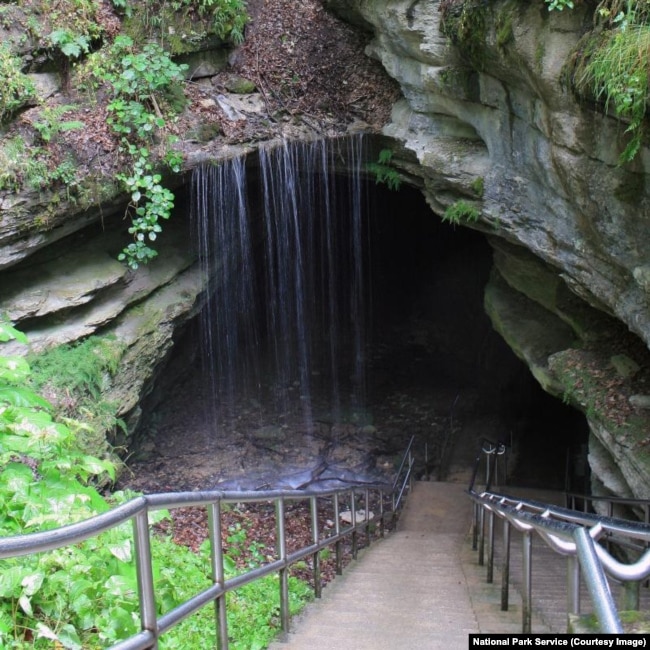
column 140, row 82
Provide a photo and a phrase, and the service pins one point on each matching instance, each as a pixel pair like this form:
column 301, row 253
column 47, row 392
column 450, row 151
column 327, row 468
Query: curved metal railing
column 571, row 533
column 386, row 498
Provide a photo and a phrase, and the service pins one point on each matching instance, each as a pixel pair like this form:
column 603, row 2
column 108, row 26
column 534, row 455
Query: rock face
column 491, row 122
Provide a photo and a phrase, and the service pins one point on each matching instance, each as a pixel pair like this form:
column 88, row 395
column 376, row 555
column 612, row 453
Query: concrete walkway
column 418, row 589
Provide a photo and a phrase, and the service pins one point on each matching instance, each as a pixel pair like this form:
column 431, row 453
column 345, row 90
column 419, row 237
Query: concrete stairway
column 418, row 589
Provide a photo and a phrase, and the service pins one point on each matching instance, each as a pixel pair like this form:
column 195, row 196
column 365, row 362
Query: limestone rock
column 640, row 401
column 548, row 165
column 239, row 85
column 624, row 366
column 359, row 515
column 38, row 290
column 205, row 63
column 533, row 332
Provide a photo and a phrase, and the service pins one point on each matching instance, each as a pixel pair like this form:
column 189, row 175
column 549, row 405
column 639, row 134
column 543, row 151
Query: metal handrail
column 137, row 511
column 572, row 499
column 487, row 449
column 570, row 533
column 404, row 476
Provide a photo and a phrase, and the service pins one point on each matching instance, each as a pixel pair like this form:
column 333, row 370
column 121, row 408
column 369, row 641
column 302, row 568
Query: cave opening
column 431, row 364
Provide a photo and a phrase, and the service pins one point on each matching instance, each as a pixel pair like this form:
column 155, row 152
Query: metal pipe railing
column 568, row 532
column 138, row 509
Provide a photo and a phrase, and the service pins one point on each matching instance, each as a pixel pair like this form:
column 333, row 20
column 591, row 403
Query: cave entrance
column 415, row 353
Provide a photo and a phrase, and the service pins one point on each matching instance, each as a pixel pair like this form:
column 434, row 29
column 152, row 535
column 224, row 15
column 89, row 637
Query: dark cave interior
column 428, row 336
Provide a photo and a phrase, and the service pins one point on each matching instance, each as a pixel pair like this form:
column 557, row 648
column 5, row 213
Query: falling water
column 283, row 256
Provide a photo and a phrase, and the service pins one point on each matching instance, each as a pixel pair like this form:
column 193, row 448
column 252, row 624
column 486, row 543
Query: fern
column 384, row 171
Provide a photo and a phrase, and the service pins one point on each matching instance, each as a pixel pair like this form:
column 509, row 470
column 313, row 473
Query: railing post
column 148, row 620
column 490, row 559
column 337, row 531
column 355, row 536
column 382, row 527
column 281, row 544
column 367, row 501
column 526, row 596
column 481, row 536
column 573, row 585
column 597, row 583
column 631, row 595
column 475, row 526
column 218, row 573
column 488, row 471
column 318, row 587
column 505, row 569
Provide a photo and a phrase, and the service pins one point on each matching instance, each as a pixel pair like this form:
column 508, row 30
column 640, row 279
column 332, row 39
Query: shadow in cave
column 434, row 369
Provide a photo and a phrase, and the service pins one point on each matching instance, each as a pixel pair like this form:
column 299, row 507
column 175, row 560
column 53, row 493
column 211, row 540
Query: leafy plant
column 229, row 17
column 478, row 186
column 17, row 88
column 73, row 377
column 384, row 171
column 50, row 124
column 150, row 202
column 139, row 83
column 459, row 212
column 71, row 45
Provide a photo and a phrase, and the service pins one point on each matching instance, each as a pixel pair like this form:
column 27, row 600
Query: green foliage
column 612, row 64
column 122, row 6
column 229, row 17
column 465, row 25
column 180, row 22
column 478, row 186
column 150, row 202
column 384, row 171
column 459, row 212
column 50, row 124
column 16, row 89
column 73, row 378
column 616, row 71
column 85, row 595
column 559, row 5
column 140, row 81
column 79, row 367
column 71, row 45
column 11, row 163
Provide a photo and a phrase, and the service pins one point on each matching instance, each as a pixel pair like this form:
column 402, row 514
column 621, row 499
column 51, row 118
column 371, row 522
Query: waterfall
column 280, row 237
